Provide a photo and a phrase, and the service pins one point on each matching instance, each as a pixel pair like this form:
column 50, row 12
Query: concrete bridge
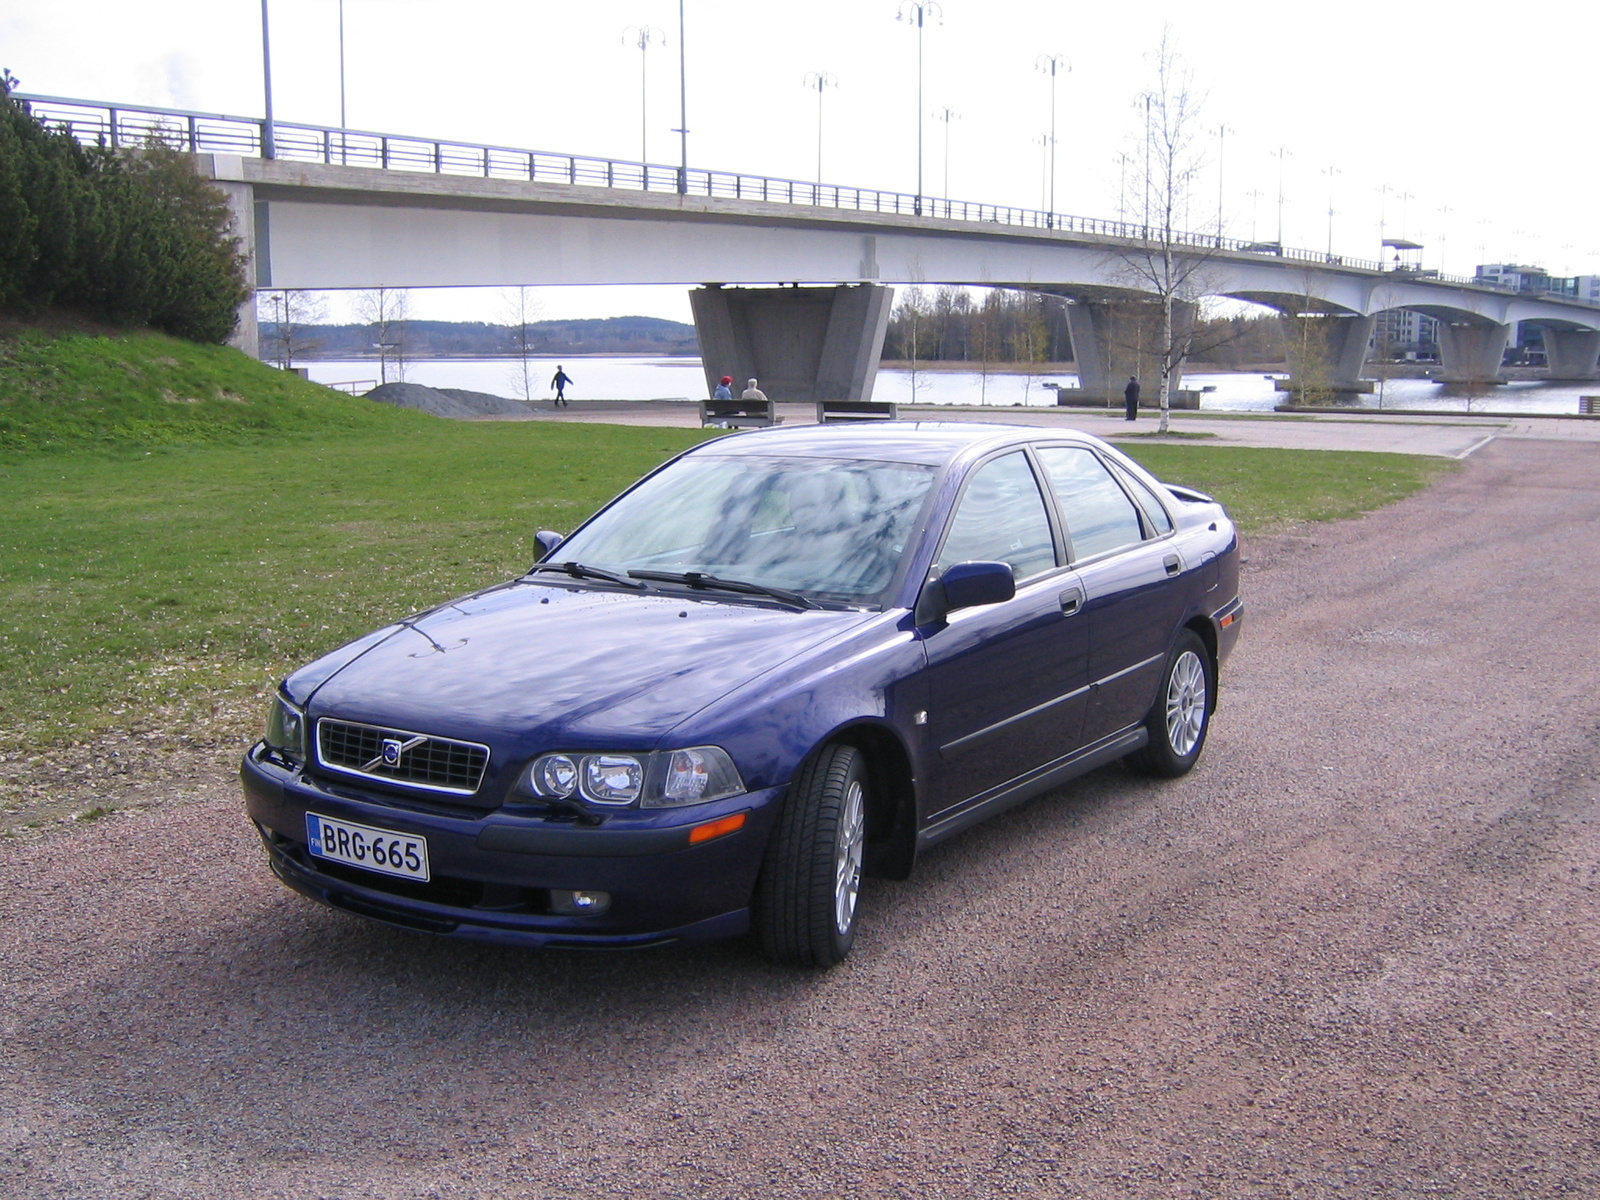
column 791, row 280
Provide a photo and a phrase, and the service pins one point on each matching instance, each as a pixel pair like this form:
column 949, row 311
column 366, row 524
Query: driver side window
column 1001, row 518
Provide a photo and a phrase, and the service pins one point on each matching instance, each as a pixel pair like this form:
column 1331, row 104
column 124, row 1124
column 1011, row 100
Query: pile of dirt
column 447, row 402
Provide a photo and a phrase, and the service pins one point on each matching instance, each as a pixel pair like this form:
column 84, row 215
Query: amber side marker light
column 717, row 828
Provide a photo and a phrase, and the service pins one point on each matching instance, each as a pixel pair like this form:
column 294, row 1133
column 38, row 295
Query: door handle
column 1172, row 563
column 1071, row 601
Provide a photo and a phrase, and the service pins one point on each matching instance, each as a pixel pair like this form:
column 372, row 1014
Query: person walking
column 752, row 392
column 559, row 381
column 1130, row 398
column 724, row 389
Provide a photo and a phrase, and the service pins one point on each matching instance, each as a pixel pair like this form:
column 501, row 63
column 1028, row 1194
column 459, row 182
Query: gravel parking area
column 1351, row 955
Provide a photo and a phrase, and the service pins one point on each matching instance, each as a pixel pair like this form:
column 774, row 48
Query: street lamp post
column 917, row 11
column 1330, row 173
column 644, row 36
column 1052, row 64
column 683, row 110
column 343, row 121
column 820, row 81
column 268, row 146
column 1222, row 145
column 1042, row 140
column 946, row 115
column 1281, row 153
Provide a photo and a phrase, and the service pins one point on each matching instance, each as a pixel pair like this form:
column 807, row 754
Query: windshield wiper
column 697, row 579
column 579, row 571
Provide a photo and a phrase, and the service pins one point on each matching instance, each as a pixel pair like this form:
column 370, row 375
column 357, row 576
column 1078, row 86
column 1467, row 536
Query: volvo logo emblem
column 392, row 750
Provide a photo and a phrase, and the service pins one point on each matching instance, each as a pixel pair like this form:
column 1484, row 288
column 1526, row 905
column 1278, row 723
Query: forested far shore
column 1016, row 328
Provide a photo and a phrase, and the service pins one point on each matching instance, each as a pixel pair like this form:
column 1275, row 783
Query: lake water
column 642, row 378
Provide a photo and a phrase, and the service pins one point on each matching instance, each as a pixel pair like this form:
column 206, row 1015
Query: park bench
column 831, row 412
column 738, row 414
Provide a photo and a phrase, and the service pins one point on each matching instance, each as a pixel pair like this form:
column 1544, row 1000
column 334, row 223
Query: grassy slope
column 185, row 525
column 79, row 391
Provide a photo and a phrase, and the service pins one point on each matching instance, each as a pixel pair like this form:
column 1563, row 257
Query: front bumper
column 492, row 873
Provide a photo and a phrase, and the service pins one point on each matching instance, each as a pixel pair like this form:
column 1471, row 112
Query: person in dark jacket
column 559, row 381
column 1130, row 398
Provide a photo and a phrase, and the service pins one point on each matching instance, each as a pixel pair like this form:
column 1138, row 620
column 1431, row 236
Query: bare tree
column 385, row 312
column 1164, row 260
column 522, row 311
column 289, row 313
column 985, row 338
column 915, row 312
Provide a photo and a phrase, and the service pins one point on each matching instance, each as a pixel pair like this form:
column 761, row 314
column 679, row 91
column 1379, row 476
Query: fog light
column 579, row 904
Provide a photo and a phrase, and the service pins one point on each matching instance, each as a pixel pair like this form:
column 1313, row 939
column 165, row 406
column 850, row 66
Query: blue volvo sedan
column 782, row 660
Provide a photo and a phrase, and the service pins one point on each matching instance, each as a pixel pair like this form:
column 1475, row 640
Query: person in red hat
column 724, row 390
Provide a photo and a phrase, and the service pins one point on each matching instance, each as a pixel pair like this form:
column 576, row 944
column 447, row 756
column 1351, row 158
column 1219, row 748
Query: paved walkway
column 1444, row 435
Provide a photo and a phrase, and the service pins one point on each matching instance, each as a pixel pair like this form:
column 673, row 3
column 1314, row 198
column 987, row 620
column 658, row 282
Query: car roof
column 933, row 443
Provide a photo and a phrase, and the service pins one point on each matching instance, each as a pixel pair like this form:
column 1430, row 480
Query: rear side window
column 1001, row 518
column 1097, row 511
column 1159, row 521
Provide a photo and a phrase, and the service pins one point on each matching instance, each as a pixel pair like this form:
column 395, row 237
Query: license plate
column 381, row 850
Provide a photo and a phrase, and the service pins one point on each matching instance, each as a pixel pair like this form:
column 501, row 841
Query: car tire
column 1181, row 716
column 807, row 899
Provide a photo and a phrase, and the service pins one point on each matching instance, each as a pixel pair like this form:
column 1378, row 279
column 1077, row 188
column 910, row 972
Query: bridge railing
column 120, row 125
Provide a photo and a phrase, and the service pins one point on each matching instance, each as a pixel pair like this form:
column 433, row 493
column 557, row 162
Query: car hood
column 547, row 665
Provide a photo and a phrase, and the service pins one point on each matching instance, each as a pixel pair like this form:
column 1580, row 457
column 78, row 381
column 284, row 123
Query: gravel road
column 1351, row 955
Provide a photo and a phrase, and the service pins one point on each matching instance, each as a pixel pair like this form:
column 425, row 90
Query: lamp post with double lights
column 819, row 81
column 916, row 13
column 683, row 110
column 1222, row 144
column 1330, row 172
column 1053, row 65
column 644, row 36
column 946, row 116
column 1281, row 153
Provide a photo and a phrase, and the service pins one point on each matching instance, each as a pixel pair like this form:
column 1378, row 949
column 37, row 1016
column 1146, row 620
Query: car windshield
column 826, row 528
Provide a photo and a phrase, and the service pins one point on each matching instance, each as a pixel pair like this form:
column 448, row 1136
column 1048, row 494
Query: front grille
column 402, row 757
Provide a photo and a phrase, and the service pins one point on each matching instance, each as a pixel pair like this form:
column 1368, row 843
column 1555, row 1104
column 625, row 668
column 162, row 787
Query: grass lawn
column 160, row 590
column 166, row 590
column 183, row 525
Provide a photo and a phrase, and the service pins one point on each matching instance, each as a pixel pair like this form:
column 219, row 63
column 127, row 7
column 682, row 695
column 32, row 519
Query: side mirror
column 969, row 584
column 547, row 541
column 965, row 585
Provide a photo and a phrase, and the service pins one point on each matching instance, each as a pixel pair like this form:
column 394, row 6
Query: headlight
column 286, row 729
column 555, row 775
column 612, row 778
column 667, row 779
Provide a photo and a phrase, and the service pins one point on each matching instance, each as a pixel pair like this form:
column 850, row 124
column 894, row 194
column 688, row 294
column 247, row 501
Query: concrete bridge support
column 802, row 343
column 1572, row 353
column 241, row 204
column 1472, row 353
column 1113, row 339
column 1327, row 353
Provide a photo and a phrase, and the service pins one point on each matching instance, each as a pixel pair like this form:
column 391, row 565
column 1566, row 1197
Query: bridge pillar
column 1331, row 357
column 1572, row 353
column 1472, row 353
column 225, row 172
column 1113, row 339
column 802, row 343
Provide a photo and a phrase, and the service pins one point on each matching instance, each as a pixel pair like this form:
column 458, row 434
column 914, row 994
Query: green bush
column 130, row 236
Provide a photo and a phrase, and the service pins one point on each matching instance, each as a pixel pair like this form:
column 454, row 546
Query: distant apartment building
column 1514, row 277
column 1402, row 334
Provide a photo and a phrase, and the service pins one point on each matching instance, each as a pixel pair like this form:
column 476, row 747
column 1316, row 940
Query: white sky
column 1485, row 116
